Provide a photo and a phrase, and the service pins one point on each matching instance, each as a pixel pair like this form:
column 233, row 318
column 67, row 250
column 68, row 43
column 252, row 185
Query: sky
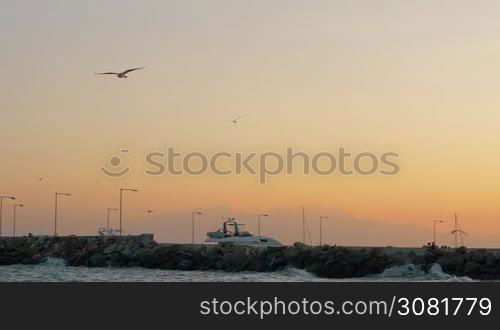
column 416, row 78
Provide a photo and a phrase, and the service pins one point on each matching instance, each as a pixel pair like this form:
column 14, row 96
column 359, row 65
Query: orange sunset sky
column 418, row 78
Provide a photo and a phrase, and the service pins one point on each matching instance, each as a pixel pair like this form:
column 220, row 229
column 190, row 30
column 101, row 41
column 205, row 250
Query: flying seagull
column 235, row 121
column 121, row 74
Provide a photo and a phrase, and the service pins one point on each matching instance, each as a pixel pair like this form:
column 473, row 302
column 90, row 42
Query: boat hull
column 254, row 241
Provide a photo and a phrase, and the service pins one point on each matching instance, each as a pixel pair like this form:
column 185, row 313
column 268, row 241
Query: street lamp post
column 15, row 206
column 121, row 205
column 259, row 216
column 57, row 194
column 1, row 204
column 193, row 214
column 321, row 229
column 107, row 222
column 434, row 236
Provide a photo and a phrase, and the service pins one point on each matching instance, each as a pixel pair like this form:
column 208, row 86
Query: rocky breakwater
column 92, row 251
column 143, row 251
column 324, row 261
column 482, row 264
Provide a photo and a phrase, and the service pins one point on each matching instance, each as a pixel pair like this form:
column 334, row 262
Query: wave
column 59, row 262
column 401, row 273
column 409, row 270
column 417, row 272
column 300, row 273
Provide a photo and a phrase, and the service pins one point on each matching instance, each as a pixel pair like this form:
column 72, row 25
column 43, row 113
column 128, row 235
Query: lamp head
column 126, row 189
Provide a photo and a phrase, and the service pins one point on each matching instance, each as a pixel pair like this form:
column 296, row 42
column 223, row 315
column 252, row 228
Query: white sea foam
column 300, row 273
column 409, row 270
column 55, row 262
column 418, row 273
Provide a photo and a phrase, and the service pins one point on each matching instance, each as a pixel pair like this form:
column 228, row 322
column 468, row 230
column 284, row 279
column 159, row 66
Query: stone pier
column 324, row 261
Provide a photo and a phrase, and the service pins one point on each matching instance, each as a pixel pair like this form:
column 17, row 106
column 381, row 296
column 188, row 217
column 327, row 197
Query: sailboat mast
column 303, row 225
column 456, row 232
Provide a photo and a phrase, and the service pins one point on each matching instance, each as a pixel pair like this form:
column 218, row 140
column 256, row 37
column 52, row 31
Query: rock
column 234, row 260
column 185, row 265
column 452, row 263
column 118, row 260
column 478, row 256
column 472, row 269
column 110, row 250
column 97, row 260
column 6, row 261
column 127, row 252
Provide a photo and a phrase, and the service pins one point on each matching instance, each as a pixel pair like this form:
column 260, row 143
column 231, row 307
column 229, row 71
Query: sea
column 54, row 270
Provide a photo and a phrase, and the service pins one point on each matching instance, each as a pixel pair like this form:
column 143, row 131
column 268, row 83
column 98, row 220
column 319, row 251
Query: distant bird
column 235, row 121
column 40, row 179
column 150, row 211
column 121, row 74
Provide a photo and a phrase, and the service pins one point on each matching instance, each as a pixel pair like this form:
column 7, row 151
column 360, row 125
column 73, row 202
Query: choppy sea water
column 54, row 270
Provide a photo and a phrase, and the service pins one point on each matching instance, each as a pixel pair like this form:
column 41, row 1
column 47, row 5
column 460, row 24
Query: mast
column 303, row 225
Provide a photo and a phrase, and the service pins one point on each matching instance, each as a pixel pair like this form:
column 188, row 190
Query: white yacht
column 231, row 233
column 108, row 231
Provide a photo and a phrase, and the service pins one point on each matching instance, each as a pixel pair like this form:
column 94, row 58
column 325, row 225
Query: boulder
column 472, row 269
column 97, row 260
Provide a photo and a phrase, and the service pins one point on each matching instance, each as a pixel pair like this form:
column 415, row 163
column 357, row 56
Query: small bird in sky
column 122, row 74
column 40, row 179
column 150, row 211
column 235, row 121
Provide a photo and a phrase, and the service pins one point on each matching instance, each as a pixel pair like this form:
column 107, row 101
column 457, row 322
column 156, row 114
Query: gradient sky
column 417, row 78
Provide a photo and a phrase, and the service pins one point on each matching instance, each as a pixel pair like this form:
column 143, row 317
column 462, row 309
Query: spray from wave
column 58, row 262
column 419, row 273
column 299, row 273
